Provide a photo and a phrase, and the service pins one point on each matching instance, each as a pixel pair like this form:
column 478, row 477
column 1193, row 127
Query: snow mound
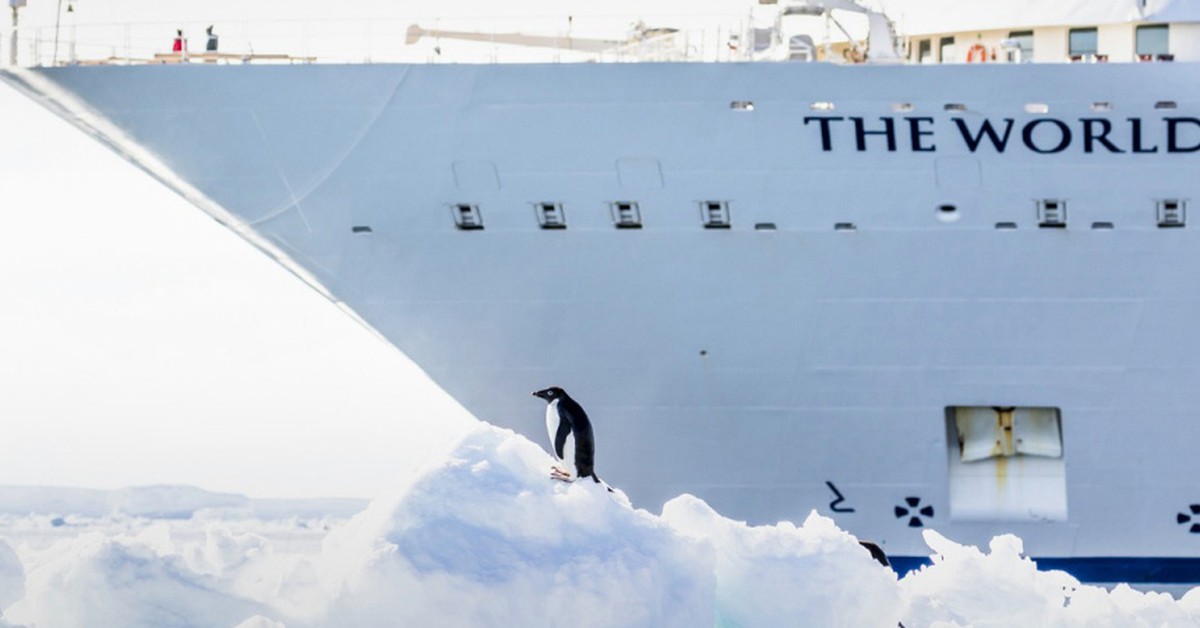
column 258, row 621
column 96, row 581
column 12, row 575
column 486, row 538
column 783, row 575
column 965, row 587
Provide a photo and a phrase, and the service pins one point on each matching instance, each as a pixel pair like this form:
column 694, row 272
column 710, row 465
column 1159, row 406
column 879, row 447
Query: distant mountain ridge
column 166, row 502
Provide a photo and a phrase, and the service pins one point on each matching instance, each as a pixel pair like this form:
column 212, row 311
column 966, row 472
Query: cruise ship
column 912, row 270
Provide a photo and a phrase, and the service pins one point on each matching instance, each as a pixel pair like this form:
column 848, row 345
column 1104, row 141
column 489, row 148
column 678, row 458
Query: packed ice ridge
column 485, row 538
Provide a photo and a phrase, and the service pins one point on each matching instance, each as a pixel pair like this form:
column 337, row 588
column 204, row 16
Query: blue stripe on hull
column 1131, row 569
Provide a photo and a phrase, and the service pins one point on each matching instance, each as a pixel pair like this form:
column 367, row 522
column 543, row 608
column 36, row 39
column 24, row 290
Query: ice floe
column 485, row 538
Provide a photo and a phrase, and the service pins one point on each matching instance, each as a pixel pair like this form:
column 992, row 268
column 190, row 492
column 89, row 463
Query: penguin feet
column 560, row 474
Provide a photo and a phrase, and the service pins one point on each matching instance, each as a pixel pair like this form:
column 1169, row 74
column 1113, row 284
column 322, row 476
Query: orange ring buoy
column 977, row 54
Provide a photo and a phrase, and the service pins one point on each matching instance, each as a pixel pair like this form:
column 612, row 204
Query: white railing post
column 12, row 50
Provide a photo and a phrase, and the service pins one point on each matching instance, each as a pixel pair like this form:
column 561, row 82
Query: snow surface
column 486, row 538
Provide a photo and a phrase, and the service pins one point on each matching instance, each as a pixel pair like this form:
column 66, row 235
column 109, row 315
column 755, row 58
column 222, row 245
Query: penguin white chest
column 567, row 445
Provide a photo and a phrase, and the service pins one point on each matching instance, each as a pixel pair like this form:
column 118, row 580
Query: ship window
column 845, row 226
column 1166, row 104
column 1006, row 225
column 1171, row 213
column 947, row 51
column 467, row 217
column 1081, row 43
column 925, row 51
column 821, row 105
column 901, row 107
column 954, row 106
column 360, row 229
column 1037, row 107
column 764, row 226
column 1102, row 106
column 1152, row 40
column 742, row 105
column 715, row 214
column 1102, row 225
column 626, row 215
column 1052, row 213
column 1022, row 45
column 550, row 215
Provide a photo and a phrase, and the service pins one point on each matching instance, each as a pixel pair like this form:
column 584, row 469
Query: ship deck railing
column 698, row 38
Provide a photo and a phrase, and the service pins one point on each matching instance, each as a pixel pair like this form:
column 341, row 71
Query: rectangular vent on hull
column 550, row 215
column 626, row 215
column 1171, row 213
column 1052, row 213
column 996, row 432
column 715, row 214
column 467, row 217
column 1006, row 464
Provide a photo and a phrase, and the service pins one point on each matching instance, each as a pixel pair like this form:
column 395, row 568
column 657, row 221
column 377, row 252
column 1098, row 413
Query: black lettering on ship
column 1041, row 135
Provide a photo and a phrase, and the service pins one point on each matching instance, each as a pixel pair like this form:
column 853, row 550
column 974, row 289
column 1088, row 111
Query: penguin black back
column 585, row 443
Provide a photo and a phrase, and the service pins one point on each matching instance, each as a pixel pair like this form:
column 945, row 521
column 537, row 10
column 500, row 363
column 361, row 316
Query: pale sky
column 141, row 343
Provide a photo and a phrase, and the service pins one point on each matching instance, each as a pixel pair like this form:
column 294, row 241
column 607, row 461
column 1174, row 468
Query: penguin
column 571, row 439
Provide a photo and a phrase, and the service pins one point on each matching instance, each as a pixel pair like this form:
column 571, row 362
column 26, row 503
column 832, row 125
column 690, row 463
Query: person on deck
column 211, row 46
column 180, row 42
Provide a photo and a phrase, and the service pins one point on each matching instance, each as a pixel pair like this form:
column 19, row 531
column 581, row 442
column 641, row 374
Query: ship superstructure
column 959, row 296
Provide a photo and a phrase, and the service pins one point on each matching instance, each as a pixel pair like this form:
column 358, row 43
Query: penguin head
column 551, row 393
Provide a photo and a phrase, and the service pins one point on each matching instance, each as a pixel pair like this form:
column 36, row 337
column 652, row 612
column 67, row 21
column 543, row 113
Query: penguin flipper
column 560, row 438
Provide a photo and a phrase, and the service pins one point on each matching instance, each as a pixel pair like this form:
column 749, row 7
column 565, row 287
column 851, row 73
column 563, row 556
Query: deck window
column 947, row 52
column 1152, row 41
column 1082, row 43
column 925, row 51
column 1023, row 44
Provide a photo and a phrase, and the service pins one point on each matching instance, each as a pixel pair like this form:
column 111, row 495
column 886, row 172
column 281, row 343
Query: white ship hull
column 769, row 371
